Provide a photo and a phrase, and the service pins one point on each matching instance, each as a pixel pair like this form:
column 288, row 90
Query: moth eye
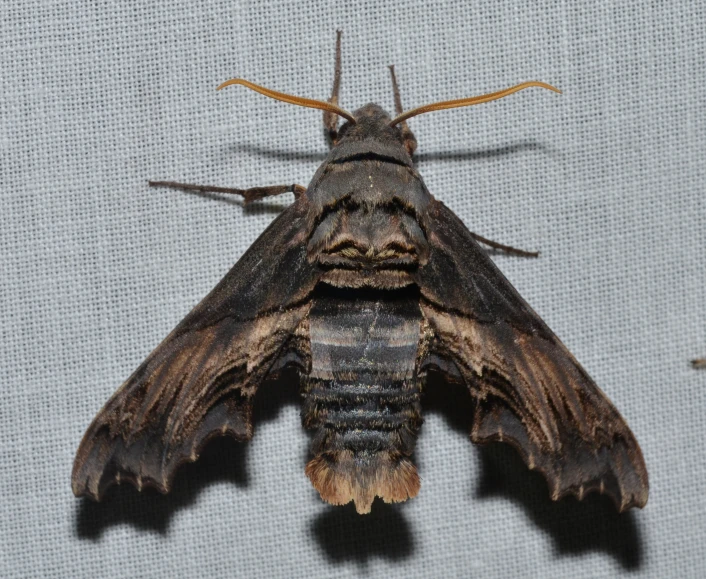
column 343, row 130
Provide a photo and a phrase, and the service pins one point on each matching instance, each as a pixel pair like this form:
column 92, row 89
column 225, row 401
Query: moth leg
column 331, row 119
column 250, row 195
column 506, row 248
column 700, row 363
column 410, row 142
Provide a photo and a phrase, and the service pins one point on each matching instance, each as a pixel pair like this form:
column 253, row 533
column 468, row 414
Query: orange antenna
column 469, row 101
column 294, row 100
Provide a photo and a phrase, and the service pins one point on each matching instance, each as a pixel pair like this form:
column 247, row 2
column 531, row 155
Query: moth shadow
column 223, row 460
column 457, row 155
column 345, row 536
column 277, row 154
column 575, row 526
column 483, row 154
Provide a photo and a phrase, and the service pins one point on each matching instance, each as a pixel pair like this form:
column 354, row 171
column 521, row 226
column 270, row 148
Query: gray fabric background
column 606, row 180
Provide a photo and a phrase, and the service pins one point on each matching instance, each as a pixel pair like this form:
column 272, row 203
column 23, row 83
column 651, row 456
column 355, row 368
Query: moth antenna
column 410, row 142
column 330, row 121
column 493, row 96
column 291, row 99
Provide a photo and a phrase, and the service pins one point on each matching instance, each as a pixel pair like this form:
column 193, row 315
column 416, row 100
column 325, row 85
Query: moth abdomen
column 362, row 395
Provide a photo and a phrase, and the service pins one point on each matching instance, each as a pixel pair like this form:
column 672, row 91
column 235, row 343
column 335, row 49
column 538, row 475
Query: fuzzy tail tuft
column 344, row 476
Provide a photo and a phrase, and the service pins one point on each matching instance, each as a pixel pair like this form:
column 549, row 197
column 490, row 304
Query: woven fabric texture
column 606, row 180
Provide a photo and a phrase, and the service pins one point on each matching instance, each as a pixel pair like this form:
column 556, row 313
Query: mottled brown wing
column 200, row 380
column 528, row 388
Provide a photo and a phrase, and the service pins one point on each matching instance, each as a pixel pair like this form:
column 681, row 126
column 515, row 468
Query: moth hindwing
column 362, row 285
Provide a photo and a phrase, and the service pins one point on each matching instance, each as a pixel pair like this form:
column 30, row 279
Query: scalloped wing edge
column 533, row 394
column 116, row 469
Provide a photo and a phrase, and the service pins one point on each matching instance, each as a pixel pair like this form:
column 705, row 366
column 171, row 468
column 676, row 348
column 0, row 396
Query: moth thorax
column 375, row 247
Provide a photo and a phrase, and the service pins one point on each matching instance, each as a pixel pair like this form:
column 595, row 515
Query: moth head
column 372, row 121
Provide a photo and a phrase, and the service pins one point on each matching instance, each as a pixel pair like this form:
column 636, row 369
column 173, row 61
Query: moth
column 699, row 363
column 364, row 285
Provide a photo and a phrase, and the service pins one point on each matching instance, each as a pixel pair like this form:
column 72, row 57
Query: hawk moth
column 364, row 285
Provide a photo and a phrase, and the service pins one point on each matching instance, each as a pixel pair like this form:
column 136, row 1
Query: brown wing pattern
column 200, row 380
column 528, row 388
